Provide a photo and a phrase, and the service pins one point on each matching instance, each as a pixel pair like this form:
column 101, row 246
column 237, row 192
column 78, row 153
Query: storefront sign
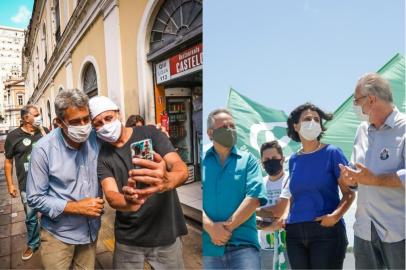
column 184, row 63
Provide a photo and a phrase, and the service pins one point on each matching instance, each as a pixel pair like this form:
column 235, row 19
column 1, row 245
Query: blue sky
column 284, row 53
column 15, row 13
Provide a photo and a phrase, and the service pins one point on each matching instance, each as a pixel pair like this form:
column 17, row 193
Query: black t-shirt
column 19, row 145
column 160, row 220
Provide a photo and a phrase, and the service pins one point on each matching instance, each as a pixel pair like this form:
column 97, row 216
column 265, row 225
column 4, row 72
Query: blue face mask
column 37, row 121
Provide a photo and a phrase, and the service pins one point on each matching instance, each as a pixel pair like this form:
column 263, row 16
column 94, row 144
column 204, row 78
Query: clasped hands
column 351, row 177
column 220, row 232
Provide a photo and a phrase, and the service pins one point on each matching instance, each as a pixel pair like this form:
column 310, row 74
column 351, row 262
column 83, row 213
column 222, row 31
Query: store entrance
column 183, row 100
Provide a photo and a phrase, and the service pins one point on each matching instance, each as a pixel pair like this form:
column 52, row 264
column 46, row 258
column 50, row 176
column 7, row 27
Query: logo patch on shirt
column 384, row 154
column 26, row 141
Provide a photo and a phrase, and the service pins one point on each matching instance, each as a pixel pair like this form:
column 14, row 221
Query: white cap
column 100, row 104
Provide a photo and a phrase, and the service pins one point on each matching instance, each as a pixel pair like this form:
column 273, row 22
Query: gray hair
column 26, row 110
column 210, row 118
column 70, row 97
column 375, row 85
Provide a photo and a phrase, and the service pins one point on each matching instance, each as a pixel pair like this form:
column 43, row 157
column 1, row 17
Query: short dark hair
column 294, row 118
column 26, row 110
column 133, row 119
column 272, row 144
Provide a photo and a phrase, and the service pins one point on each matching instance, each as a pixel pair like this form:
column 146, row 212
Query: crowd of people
column 294, row 219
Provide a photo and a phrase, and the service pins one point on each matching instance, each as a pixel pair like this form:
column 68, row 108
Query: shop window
column 90, row 80
column 175, row 19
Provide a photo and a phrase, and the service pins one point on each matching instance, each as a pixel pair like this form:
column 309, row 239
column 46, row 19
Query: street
column 13, row 235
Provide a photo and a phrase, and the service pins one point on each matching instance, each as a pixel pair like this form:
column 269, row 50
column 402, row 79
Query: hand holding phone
column 152, row 174
column 142, row 150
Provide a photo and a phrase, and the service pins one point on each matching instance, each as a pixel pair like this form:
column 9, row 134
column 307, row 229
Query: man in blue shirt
column 62, row 184
column 232, row 190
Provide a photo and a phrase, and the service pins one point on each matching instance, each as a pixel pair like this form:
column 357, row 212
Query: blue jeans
column 31, row 221
column 235, row 257
column 312, row 246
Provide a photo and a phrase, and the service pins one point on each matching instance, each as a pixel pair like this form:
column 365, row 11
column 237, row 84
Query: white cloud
column 22, row 16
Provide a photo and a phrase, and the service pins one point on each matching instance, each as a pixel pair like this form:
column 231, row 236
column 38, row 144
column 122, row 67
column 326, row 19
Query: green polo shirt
column 224, row 189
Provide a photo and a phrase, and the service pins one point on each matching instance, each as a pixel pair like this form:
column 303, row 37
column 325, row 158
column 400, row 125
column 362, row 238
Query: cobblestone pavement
column 13, row 235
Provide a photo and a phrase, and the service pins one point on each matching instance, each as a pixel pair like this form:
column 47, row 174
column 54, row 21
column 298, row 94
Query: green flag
column 257, row 124
column 341, row 130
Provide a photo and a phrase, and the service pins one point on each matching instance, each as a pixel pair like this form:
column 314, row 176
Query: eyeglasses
column 355, row 100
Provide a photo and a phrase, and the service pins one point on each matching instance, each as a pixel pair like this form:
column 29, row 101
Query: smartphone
column 142, row 149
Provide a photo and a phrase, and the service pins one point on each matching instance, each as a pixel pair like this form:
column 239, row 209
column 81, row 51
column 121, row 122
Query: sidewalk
column 13, row 235
column 12, row 229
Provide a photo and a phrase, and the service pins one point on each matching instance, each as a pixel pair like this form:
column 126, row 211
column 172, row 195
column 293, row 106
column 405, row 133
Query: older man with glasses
column 379, row 157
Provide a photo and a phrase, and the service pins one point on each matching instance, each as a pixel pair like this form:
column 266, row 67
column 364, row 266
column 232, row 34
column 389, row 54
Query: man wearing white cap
column 149, row 218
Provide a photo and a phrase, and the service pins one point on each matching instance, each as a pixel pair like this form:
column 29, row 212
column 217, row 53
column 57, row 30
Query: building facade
column 14, row 101
column 11, row 44
column 146, row 55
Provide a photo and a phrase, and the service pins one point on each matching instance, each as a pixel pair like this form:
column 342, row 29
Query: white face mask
column 358, row 112
column 79, row 134
column 310, row 130
column 37, row 121
column 110, row 132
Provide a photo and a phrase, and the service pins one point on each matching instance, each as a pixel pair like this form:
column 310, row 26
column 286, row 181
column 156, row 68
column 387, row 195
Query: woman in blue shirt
column 315, row 230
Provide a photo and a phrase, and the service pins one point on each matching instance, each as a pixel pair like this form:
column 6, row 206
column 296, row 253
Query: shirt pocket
column 235, row 182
